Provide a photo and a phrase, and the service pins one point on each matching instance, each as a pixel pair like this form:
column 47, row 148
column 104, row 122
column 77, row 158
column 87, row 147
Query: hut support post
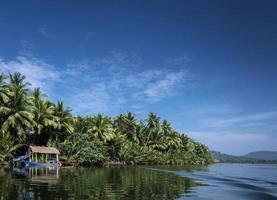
column 57, row 158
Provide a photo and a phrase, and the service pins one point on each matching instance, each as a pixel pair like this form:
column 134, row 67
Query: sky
column 209, row 67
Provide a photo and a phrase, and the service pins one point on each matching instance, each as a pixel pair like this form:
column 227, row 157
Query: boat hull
column 40, row 164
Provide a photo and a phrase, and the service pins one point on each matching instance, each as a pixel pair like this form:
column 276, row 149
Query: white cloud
column 124, row 81
column 93, row 100
column 237, row 120
column 182, row 60
column 214, row 109
column 37, row 72
column 102, row 84
column 166, row 86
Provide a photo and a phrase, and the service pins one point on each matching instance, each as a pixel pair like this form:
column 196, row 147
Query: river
column 218, row 181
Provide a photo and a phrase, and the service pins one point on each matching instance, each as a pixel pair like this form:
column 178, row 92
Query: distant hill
column 264, row 155
column 226, row 158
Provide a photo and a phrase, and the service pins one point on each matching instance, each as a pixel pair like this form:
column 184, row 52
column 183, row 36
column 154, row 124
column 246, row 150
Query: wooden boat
column 51, row 164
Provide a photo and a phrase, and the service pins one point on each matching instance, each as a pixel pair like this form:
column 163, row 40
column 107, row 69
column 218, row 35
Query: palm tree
column 141, row 132
column 101, row 127
column 115, row 145
column 4, row 98
column 82, row 124
column 7, row 146
column 153, row 126
column 65, row 120
column 18, row 80
column 126, row 124
column 153, row 121
column 166, row 127
column 44, row 118
column 172, row 142
column 3, row 90
column 17, row 116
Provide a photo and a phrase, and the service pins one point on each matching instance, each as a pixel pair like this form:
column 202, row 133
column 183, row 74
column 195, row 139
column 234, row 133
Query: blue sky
column 209, row 67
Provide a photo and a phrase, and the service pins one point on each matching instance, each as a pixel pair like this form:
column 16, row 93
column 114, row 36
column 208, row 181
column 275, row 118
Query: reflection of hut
column 40, row 153
column 43, row 175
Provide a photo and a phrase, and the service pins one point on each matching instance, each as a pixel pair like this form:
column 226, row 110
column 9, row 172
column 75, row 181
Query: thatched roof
column 44, row 150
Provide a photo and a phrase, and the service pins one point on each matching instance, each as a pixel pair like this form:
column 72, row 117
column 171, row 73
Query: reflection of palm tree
column 101, row 127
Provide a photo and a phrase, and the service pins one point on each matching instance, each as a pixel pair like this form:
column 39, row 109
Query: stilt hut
column 40, row 153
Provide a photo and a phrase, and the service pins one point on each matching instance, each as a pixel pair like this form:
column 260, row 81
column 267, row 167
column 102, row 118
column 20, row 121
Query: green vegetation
column 226, row 158
column 28, row 117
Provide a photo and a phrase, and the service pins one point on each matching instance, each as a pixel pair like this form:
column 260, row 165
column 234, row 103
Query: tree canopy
column 28, row 117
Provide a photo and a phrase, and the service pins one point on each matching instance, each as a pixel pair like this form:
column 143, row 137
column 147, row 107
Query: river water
column 218, row 181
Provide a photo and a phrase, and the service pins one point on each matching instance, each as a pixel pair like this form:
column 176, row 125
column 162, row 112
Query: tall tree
column 65, row 121
column 166, row 127
column 3, row 90
column 102, row 128
column 17, row 115
column 4, row 98
column 126, row 124
column 82, row 124
column 153, row 126
column 44, row 119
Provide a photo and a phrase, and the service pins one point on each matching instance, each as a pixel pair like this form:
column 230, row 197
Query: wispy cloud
column 242, row 119
column 45, row 31
column 181, row 60
column 156, row 85
column 38, row 73
column 123, row 82
column 102, row 84
column 227, row 128
column 214, row 109
column 91, row 100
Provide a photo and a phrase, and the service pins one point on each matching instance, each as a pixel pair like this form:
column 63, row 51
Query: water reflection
column 94, row 183
column 38, row 174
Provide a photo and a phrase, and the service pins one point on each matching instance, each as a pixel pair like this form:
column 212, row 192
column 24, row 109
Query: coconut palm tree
column 4, row 98
column 7, row 146
column 166, row 127
column 101, row 128
column 44, row 119
column 141, row 133
column 17, row 115
column 126, row 124
column 153, row 127
column 3, row 90
column 65, row 120
column 153, row 121
column 115, row 145
column 82, row 124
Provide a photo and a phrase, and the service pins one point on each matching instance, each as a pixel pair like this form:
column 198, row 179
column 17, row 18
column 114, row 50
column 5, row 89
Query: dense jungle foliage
column 28, row 117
